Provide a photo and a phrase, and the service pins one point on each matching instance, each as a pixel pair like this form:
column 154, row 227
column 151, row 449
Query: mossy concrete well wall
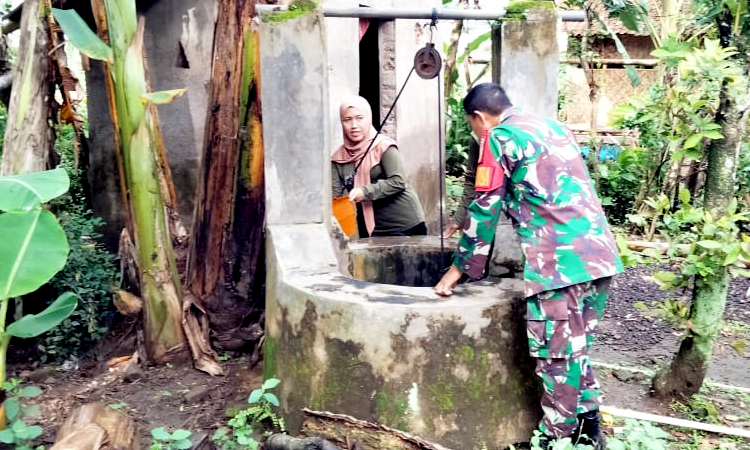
column 453, row 370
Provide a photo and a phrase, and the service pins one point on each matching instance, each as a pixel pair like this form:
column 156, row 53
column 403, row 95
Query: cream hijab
column 355, row 152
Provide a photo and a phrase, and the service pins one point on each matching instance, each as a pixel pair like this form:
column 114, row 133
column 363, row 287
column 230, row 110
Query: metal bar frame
column 416, row 13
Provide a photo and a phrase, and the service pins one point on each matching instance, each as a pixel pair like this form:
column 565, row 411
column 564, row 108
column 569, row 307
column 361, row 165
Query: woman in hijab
column 372, row 173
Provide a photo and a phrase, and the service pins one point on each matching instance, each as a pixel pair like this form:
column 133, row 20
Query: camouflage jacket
column 551, row 201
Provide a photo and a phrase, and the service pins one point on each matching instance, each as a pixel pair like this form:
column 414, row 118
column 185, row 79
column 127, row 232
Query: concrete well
column 453, row 370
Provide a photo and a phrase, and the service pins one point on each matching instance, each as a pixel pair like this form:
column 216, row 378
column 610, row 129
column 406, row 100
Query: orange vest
column 490, row 174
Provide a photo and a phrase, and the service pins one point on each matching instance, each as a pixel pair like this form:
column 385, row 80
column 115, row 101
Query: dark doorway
column 369, row 69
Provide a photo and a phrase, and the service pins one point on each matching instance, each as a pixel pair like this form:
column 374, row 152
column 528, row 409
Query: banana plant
column 33, row 249
column 137, row 139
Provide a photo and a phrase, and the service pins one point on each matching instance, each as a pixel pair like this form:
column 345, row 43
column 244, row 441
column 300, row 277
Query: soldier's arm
column 484, row 213
column 474, row 245
column 468, row 195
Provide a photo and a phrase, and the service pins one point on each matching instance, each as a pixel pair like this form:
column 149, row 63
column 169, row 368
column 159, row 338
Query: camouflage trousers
column 560, row 326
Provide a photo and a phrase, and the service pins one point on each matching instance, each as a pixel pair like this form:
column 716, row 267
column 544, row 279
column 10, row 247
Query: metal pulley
column 427, row 62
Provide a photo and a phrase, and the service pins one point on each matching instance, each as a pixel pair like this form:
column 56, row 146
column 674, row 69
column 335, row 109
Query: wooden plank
column 95, row 426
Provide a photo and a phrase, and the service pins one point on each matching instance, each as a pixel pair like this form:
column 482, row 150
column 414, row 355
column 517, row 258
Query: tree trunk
column 593, row 98
column 686, row 372
column 225, row 269
column 138, row 158
column 29, row 138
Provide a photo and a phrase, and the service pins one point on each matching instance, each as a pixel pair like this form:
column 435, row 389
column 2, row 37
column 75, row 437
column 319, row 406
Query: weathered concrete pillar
column 296, row 140
column 526, row 58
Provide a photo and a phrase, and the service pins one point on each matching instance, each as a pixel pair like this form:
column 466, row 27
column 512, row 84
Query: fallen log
column 286, row 442
column 348, row 432
column 95, row 426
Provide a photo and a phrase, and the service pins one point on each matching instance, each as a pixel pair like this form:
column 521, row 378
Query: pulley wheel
column 427, row 62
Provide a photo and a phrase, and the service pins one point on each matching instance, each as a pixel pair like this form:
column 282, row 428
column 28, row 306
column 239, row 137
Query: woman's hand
column 450, row 229
column 357, row 195
column 448, row 282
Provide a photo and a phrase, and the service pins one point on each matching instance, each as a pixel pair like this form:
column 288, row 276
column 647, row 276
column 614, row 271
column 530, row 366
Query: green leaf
column 7, row 436
column 693, row 140
column 20, row 429
column 741, row 272
column 37, row 251
column 26, row 191
column 32, row 325
column 709, row 244
column 163, row 97
column 713, row 134
column 664, row 277
column 12, row 408
column 473, row 45
column 180, row 434
column 30, row 391
column 34, row 432
column 270, row 398
column 270, row 383
column 684, row 196
column 160, row 434
column 255, row 396
column 81, row 36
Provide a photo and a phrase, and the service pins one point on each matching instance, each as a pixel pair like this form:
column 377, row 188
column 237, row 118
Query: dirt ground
column 633, row 334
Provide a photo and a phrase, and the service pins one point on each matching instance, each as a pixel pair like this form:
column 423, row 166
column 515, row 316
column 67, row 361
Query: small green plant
column 164, row 440
column 639, row 435
column 700, row 243
column 90, row 272
column 38, row 252
column 697, row 407
column 118, row 406
column 247, row 424
column 676, row 312
column 19, row 433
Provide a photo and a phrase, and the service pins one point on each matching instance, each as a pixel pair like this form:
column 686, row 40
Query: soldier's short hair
column 487, row 97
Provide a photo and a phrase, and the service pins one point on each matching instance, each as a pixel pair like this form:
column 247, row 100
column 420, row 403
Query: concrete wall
column 170, row 24
column 528, row 72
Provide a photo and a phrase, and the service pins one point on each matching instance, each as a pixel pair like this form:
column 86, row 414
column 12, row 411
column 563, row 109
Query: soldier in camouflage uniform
column 570, row 252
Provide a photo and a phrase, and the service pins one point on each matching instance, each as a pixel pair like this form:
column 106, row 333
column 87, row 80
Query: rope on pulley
column 427, row 64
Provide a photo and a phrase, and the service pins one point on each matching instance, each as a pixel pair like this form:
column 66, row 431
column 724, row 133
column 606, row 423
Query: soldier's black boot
column 541, row 442
column 588, row 431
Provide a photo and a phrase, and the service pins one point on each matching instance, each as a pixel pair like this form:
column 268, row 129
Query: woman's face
column 353, row 123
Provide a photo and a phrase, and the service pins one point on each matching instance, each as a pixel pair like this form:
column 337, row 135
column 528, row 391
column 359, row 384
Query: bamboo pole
column 674, row 421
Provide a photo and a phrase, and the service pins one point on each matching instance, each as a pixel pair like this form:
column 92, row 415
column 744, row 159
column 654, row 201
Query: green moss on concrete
column 392, row 410
column 465, row 379
column 516, row 10
column 296, row 9
column 270, row 347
